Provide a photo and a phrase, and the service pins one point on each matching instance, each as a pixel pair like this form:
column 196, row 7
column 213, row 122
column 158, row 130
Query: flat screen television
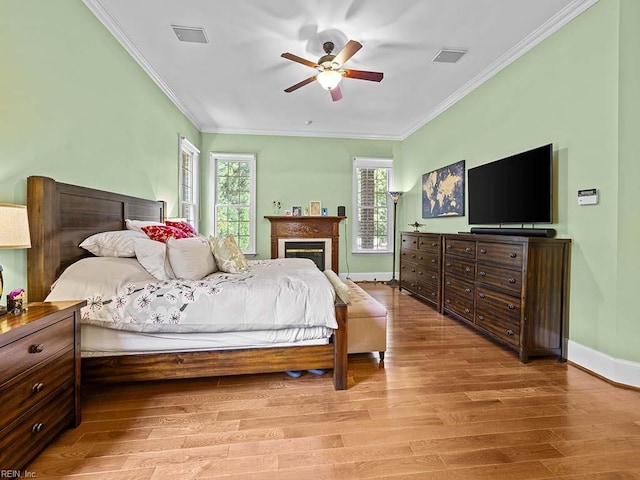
column 515, row 189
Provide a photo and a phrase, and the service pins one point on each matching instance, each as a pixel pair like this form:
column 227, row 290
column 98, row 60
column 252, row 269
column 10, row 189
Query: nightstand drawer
column 27, row 390
column 25, row 437
column 41, row 345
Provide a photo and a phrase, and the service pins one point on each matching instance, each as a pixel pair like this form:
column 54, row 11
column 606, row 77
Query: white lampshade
column 14, row 226
column 329, row 79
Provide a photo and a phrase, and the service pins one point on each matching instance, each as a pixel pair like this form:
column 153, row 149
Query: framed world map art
column 443, row 192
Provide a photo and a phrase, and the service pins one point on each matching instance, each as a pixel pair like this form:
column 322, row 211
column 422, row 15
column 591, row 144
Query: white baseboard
column 367, row 277
column 615, row 369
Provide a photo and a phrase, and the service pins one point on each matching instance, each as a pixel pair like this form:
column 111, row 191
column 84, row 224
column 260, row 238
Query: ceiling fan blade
column 295, row 58
column 300, row 84
column 336, row 93
column 364, row 75
column 347, row 52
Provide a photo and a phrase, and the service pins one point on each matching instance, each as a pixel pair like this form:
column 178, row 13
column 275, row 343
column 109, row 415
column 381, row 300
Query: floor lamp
column 395, row 196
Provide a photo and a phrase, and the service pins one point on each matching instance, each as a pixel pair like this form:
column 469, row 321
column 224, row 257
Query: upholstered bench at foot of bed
column 367, row 322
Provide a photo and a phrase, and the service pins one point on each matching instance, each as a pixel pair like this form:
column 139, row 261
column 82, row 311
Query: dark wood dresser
column 420, row 265
column 513, row 289
column 39, row 378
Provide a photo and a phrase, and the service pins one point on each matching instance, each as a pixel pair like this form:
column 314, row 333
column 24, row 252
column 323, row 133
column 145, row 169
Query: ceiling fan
column 330, row 69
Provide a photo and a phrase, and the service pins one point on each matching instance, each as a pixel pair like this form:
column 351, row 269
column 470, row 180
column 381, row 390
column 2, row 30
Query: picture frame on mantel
column 315, row 208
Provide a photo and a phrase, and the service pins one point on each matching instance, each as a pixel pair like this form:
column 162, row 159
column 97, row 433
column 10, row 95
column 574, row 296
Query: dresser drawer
column 493, row 304
column 429, row 243
column 427, row 275
column 461, row 248
column 428, row 259
column 458, row 297
column 26, row 436
column 428, row 291
column 35, row 348
column 503, row 253
column 505, row 328
column 460, row 267
column 409, row 242
column 26, row 390
column 500, row 277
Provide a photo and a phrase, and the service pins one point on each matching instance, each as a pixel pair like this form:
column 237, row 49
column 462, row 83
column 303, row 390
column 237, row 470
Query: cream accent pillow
column 117, row 243
column 229, row 257
column 190, row 258
column 338, row 285
column 152, row 256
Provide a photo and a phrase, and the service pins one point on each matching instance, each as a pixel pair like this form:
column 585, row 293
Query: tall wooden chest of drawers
column 39, row 378
column 420, row 265
column 514, row 289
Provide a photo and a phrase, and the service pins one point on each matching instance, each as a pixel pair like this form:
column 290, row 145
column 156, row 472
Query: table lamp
column 14, row 233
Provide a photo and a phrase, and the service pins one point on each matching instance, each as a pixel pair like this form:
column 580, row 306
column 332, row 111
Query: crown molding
column 299, row 133
column 119, row 33
column 559, row 20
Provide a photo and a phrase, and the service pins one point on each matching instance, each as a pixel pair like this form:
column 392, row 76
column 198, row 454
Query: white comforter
column 272, row 294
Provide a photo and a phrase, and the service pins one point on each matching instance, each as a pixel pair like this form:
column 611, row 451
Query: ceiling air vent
column 448, row 56
column 190, row 34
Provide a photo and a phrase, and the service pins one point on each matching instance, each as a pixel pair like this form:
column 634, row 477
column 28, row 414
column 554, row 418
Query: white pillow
column 152, row 256
column 97, row 275
column 118, row 243
column 136, row 225
column 190, row 258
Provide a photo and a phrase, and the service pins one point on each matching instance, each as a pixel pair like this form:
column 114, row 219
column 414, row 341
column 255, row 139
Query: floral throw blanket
column 271, row 294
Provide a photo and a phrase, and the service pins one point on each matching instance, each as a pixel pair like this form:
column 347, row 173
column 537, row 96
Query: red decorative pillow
column 160, row 233
column 186, row 227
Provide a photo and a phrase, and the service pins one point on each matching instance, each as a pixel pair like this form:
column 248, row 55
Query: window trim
column 249, row 158
column 371, row 162
column 187, row 147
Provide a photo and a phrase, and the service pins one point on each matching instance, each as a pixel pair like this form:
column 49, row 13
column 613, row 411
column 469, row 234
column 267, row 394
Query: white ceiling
column 235, row 83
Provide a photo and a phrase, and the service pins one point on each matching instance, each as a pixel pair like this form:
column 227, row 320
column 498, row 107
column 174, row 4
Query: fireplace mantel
column 285, row 226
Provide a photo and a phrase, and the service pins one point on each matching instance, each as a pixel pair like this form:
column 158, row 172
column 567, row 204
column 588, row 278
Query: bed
column 61, row 216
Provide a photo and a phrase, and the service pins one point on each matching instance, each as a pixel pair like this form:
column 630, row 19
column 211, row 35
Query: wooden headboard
column 61, row 216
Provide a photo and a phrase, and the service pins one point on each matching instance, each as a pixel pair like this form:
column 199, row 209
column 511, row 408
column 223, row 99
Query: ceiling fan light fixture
column 329, row 79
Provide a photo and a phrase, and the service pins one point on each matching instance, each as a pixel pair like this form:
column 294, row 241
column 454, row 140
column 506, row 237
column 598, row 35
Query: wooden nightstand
column 39, row 378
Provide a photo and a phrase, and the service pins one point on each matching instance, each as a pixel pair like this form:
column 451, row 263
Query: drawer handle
column 468, row 290
column 483, row 250
column 448, row 264
column 420, row 273
column 433, row 277
column 448, row 247
column 509, row 332
column 37, row 427
column 434, row 244
column 513, row 255
column 511, row 306
column 414, row 242
column 466, row 310
column 36, row 348
column 467, row 249
column 467, row 269
column 482, row 295
column 447, row 301
column 512, row 280
column 433, row 260
column 480, row 317
column 448, row 282
column 483, row 274
column 37, row 387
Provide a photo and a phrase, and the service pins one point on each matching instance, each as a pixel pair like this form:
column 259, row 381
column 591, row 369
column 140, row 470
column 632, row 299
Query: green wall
column 569, row 90
column 628, row 259
column 75, row 106
column 296, row 170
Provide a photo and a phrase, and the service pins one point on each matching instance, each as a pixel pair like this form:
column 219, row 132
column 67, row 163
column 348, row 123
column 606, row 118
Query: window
column 188, row 182
column 373, row 212
column 233, row 181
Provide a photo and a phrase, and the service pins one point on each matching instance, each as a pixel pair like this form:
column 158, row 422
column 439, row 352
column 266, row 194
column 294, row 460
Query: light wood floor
column 447, row 404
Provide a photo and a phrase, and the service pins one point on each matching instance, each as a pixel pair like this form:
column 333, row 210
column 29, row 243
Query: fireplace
column 301, row 232
column 307, row 249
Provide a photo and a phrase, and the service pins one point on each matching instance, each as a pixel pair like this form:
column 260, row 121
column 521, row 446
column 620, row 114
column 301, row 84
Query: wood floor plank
column 446, row 404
